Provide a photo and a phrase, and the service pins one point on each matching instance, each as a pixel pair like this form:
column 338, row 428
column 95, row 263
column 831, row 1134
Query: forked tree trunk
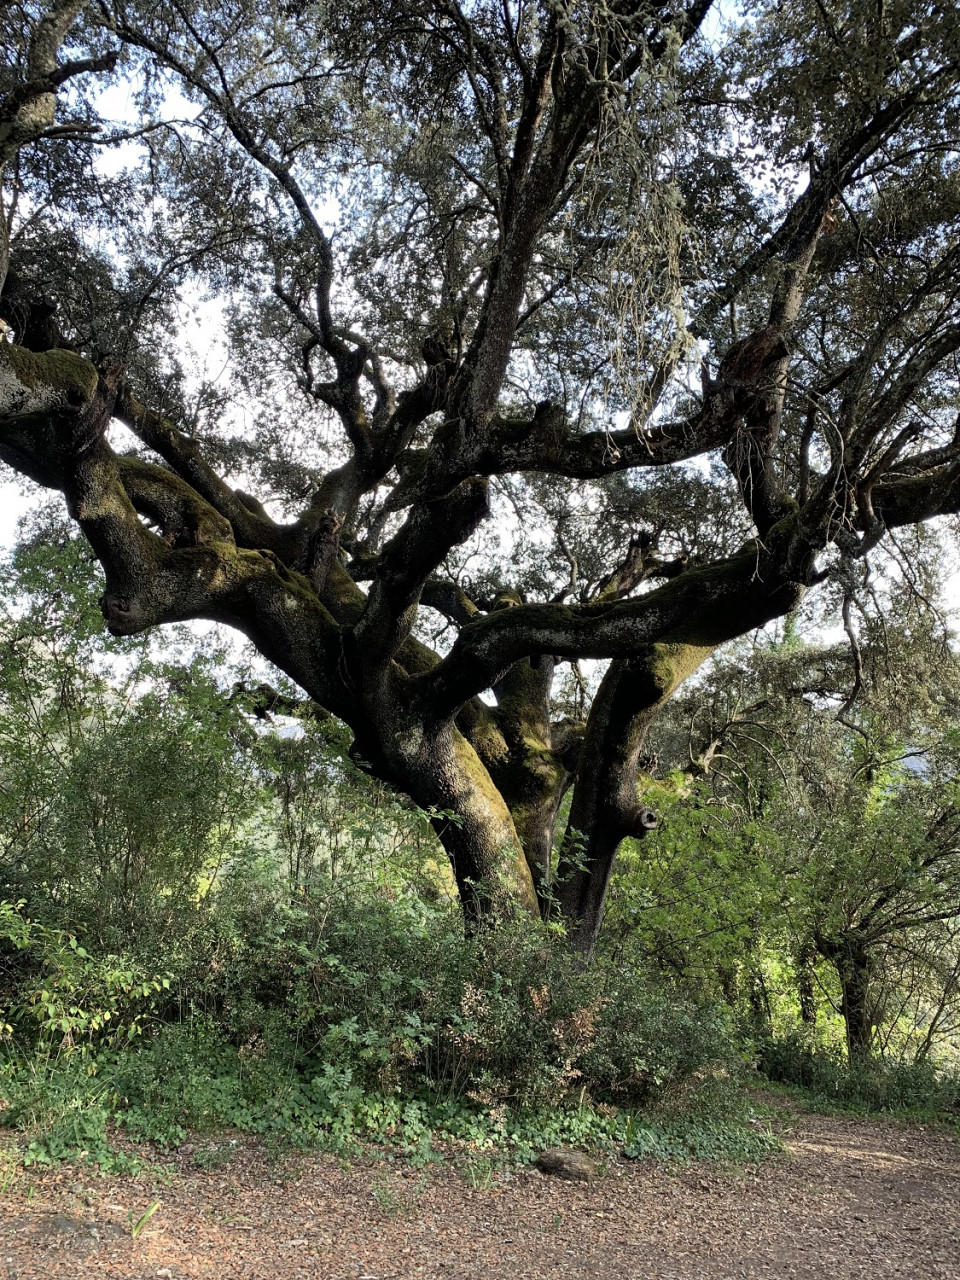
column 605, row 807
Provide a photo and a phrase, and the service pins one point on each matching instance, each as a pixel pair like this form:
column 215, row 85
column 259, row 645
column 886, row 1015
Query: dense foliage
column 266, row 941
column 809, row 864
column 541, row 332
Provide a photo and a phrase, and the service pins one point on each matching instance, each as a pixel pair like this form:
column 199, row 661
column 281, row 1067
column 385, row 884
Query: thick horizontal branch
column 449, row 600
column 915, row 498
column 54, row 409
column 545, row 443
column 703, row 607
column 183, row 454
column 183, row 517
column 22, row 93
column 27, row 110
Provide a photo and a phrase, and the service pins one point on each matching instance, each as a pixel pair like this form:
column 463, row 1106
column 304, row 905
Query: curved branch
column 251, row 528
column 428, row 535
column 700, row 608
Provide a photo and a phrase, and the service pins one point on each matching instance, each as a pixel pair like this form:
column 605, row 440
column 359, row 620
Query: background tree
column 812, row 844
column 490, row 278
column 124, row 789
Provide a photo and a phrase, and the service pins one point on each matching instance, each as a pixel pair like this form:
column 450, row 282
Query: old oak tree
column 550, row 332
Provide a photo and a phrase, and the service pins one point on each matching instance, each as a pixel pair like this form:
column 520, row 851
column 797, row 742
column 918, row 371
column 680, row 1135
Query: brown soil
column 849, row 1198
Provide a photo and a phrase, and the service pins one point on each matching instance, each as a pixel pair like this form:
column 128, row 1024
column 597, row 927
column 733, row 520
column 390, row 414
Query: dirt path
column 849, row 1198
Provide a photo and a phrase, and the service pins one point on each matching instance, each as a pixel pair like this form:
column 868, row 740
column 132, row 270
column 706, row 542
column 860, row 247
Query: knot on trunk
column 639, row 820
column 121, row 615
column 321, row 549
column 749, row 367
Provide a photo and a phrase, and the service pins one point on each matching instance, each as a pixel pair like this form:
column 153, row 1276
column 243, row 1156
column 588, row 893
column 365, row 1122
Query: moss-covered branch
column 702, row 607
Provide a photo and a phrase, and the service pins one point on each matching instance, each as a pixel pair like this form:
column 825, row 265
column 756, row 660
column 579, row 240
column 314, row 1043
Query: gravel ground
column 849, row 1198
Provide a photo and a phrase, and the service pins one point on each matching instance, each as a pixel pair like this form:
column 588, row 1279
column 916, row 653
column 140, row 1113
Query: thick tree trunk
column 719, row 604
column 851, row 958
column 760, row 1011
column 856, row 1004
column 526, row 770
column 443, row 774
column 605, row 808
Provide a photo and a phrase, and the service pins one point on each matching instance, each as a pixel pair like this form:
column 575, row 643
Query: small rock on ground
column 564, row 1162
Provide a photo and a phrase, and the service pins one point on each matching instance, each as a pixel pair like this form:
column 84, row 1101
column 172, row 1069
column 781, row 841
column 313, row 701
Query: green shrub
column 332, row 1017
column 876, row 1085
column 387, row 988
column 65, row 998
column 653, row 1044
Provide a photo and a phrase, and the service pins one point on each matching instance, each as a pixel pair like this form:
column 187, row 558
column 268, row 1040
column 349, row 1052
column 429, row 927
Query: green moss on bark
column 513, row 870
column 63, row 372
column 671, row 663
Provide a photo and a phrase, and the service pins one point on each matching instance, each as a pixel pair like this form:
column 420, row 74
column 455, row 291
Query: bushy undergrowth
column 184, row 1081
column 825, row 1074
column 338, row 1017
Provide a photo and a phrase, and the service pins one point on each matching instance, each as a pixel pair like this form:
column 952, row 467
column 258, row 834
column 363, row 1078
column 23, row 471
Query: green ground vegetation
column 213, row 920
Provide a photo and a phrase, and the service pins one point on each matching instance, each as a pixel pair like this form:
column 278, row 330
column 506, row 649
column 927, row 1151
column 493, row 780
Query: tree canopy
column 550, row 332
